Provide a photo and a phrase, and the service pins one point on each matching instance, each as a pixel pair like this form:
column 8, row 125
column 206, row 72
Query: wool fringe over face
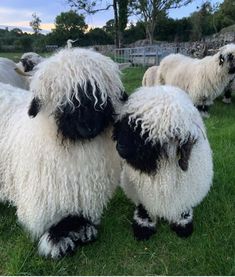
column 48, row 176
column 166, row 117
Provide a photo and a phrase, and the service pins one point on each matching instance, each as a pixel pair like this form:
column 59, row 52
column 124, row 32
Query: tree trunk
column 116, row 23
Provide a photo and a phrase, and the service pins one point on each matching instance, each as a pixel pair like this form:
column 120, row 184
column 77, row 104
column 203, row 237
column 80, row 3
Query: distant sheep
column 167, row 160
column 8, row 75
column 204, row 79
column 58, row 163
column 150, row 77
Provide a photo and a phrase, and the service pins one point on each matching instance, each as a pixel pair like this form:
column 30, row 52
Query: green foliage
column 97, row 36
column 68, row 25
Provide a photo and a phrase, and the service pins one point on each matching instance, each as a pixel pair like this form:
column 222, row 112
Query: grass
column 209, row 251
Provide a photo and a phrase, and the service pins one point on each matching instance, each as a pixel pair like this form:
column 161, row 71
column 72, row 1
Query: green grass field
column 209, row 251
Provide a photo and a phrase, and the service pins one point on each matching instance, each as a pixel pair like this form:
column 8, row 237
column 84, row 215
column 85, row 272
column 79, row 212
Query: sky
column 18, row 13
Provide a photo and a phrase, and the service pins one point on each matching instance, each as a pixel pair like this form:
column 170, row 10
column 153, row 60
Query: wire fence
column 145, row 56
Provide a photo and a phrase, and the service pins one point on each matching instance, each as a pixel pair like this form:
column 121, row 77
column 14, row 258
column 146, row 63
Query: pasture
column 209, row 251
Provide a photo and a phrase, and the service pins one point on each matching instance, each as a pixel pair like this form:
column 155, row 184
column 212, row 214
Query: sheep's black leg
column 184, row 226
column 143, row 226
column 227, row 96
column 62, row 238
column 204, row 110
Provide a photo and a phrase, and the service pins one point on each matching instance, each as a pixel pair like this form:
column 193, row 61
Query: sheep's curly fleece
column 167, row 112
column 45, row 177
column 203, row 80
column 8, row 75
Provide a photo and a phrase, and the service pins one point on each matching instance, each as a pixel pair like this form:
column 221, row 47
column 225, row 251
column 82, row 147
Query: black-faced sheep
column 167, row 160
column 58, row 163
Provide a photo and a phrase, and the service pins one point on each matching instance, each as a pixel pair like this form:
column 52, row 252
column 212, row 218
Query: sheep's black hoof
column 64, row 237
column 183, row 231
column 143, row 226
column 142, row 233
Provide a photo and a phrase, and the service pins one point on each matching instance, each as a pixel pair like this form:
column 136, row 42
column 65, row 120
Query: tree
column 120, row 10
column 225, row 14
column 202, row 22
column 35, row 24
column 68, row 25
column 150, row 10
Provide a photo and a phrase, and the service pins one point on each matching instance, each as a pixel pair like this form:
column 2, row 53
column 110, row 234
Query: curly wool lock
column 204, row 79
column 60, row 168
column 167, row 158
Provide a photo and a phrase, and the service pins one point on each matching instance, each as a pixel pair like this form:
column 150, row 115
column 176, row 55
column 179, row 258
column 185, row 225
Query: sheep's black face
column 132, row 147
column 27, row 64
column 87, row 119
column 228, row 59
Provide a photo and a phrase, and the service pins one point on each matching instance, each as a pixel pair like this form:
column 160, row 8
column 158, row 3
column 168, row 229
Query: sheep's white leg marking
column 143, row 226
column 65, row 236
column 183, row 227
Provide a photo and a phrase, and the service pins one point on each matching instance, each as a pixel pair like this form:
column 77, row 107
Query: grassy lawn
column 209, row 251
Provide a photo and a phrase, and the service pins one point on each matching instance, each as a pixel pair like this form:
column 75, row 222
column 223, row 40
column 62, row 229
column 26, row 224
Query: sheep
column 167, row 160
column 204, row 79
column 8, row 75
column 58, row 163
column 150, row 76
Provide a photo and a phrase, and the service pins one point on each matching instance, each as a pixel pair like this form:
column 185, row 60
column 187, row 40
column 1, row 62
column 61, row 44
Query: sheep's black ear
column 221, row 59
column 34, row 107
column 185, row 152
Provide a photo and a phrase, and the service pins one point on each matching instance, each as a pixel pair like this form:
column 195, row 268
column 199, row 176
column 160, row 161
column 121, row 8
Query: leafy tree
column 35, row 24
column 120, row 11
column 225, row 14
column 150, row 10
column 202, row 22
column 68, row 25
column 98, row 36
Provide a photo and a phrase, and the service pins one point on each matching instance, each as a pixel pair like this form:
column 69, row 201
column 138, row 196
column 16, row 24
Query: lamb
column 8, row 75
column 58, row 163
column 167, row 160
column 150, row 76
column 204, row 79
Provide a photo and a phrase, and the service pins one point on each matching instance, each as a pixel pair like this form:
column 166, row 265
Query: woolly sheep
column 167, row 160
column 60, row 167
column 8, row 75
column 150, row 76
column 204, row 79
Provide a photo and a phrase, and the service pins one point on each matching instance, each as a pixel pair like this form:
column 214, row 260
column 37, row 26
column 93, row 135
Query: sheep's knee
column 64, row 237
column 183, row 227
column 143, row 226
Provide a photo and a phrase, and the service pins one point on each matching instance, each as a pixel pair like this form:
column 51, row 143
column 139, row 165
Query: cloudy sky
column 18, row 13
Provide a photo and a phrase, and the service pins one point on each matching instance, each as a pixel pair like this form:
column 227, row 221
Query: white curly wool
column 44, row 176
column 8, row 75
column 203, row 80
column 150, row 77
column 168, row 115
